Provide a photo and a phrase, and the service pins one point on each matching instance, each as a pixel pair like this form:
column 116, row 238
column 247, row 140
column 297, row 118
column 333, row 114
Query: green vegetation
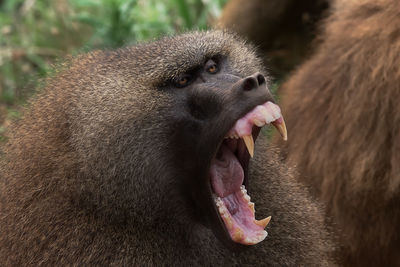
column 36, row 33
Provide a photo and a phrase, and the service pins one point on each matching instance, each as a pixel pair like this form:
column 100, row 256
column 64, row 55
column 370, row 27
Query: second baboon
column 342, row 108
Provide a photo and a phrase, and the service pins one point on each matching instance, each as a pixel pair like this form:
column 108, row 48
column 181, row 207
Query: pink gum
column 245, row 124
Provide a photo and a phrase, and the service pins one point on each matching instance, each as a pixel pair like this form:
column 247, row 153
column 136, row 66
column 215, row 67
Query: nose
column 252, row 82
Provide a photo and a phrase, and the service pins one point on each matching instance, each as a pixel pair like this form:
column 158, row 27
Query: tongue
column 231, row 198
column 226, row 172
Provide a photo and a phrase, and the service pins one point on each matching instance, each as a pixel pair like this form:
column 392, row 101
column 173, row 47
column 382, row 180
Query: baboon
column 282, row 29
column 342, row 108
column 133, row 157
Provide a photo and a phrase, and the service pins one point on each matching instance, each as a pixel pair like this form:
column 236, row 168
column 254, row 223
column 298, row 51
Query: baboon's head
column 169, row 126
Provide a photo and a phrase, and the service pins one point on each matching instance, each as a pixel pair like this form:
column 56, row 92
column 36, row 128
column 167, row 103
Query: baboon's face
column 218, row 115
column 173, row 123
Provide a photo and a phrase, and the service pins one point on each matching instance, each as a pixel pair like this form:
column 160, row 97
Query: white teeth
column 221, row 206
column 265, row 114
column 268, row 116
column 261, row 115
column 237, row 234
column 243, row 189
column 218, row 201
column 276, row 112
column 258, row 123
column 221, row 210
column 256, row 239
column 244, row 193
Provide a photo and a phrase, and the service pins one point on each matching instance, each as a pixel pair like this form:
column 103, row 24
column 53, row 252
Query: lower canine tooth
column 249, row 142
column 264, row 222
column 281, row 127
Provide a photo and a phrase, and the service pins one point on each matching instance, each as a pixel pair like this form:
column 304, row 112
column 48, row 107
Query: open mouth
column 228, row 174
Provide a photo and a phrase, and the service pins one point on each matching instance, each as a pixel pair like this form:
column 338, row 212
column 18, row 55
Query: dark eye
column 183, row 80
column 212, row 66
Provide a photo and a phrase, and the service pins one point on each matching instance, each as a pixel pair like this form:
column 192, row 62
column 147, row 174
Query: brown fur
column 282, row 29
column 90, row 176
column 342, row 110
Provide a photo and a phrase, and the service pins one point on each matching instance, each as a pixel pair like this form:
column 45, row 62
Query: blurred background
column 36, row 34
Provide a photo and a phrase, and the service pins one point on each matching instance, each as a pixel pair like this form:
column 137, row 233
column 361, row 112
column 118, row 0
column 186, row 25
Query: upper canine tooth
column 249, row 142
column 281, row 127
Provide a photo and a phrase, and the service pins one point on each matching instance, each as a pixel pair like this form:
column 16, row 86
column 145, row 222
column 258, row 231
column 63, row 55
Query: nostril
column 249, row 84
column 260, row 79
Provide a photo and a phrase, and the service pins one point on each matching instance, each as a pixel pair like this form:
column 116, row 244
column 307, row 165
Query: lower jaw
column 238, row 214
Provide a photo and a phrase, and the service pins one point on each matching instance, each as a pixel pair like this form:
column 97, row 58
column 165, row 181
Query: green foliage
column 36, row 33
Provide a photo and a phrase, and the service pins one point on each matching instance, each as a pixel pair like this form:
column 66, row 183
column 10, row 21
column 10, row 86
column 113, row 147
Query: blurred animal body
column 342, row 108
